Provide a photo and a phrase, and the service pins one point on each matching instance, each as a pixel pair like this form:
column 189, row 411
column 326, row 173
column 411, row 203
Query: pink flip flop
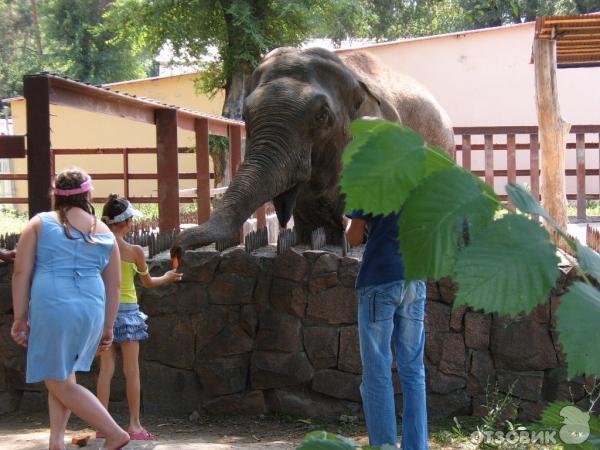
column 143, row 435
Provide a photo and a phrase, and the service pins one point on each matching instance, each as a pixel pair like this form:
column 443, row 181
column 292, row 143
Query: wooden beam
column 168, row 170
column 235, row 148
column 202, row 170
column 12, row 146
column 99, row 101
column 40, row 168
column 553, row 131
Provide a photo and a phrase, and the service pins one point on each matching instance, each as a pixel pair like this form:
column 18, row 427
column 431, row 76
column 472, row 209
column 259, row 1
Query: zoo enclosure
column 497, row 154
column 40, row 91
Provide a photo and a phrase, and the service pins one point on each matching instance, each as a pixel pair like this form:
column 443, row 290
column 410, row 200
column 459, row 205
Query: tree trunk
column 36, row 27
column 553, row 131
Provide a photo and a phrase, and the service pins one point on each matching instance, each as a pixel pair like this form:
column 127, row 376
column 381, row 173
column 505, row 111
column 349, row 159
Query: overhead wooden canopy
column 577, row 38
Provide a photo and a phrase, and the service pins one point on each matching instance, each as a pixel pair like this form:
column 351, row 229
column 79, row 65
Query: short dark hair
column 114, row 206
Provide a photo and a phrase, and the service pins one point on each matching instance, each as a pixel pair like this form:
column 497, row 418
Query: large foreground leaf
column 508, row 268
column 578, row 316
column 361, row 130
column 522, row 199
column 431, row 224
column 572, row 425
column 383, row 170
column 436, row 160
column 589, row 260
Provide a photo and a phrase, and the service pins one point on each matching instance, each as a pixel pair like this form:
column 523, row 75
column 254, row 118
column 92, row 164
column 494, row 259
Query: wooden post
column 126, row 172
column 534, row 165
column 235, row 147
column 261, row 217
column 580, row 171
column 466, row 152
column 202, row 170
column 553, row 131
column 168, row 169
column 40, row 167
column 489, row 159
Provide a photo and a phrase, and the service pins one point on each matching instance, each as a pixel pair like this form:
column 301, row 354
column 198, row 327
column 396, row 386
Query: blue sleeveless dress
column 66, row 306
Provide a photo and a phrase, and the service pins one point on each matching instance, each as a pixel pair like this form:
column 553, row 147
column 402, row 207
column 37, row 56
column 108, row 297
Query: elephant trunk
column 257, row 181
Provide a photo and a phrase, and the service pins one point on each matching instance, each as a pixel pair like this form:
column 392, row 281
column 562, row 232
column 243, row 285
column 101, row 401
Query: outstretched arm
column 148, row 281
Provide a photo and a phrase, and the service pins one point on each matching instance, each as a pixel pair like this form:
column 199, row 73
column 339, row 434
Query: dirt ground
column 30, row 432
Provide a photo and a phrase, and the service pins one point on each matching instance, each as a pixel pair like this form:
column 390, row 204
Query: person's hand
column 173, row 276
column 20, row 332
column 8, row 255
column 106, row 340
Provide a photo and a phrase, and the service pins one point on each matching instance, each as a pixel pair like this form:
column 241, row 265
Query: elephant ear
column 370, row 102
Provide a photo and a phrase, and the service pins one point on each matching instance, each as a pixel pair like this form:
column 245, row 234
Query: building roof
column 577, row 38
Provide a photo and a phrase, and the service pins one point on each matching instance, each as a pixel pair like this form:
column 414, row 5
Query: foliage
column 64, row 36
column 578, row 421
column 18, row 52
column 81, row 47
column 322, row 440
column 504, row 265
column 241, row 31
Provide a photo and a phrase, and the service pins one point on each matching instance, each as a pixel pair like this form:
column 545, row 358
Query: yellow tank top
column 128, row 271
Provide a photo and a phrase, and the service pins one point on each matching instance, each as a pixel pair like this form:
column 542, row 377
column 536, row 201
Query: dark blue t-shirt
column 381, row 261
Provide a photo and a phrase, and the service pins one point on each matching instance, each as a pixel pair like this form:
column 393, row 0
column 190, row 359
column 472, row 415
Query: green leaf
column 569, row 420
column 509, row 267
column 522, row 199
column 322, row 440
column 383, row 170
column 589, row 260
column 436, row 160
column 361, row 130
column 578, row 316
column 431, row 224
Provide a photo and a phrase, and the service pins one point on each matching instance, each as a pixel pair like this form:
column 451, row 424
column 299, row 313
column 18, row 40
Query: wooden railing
column 487, row 142
column 478, row 150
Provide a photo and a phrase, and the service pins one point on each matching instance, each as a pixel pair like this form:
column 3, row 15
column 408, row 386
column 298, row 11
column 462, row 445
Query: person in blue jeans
column 390, row 312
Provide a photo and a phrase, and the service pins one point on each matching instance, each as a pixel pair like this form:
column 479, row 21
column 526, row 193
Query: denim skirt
column 130, row 324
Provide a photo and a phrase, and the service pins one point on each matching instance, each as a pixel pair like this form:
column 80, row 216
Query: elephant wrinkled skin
column 298, row 113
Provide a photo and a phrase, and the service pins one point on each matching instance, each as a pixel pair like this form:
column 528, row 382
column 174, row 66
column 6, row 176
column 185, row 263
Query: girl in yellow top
column 130, row 325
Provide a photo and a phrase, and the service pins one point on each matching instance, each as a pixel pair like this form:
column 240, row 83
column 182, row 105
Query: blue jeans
column 393, row 313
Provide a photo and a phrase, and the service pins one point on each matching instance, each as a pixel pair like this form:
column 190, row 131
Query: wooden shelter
column 563, row 42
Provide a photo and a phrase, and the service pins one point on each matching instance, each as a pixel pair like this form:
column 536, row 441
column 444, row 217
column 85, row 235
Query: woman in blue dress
column 65, row 299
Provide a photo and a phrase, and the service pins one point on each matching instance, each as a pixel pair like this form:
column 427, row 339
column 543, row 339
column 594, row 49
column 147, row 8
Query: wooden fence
column 515, row 140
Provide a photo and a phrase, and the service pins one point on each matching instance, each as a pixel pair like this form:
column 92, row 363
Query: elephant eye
column 322, row 117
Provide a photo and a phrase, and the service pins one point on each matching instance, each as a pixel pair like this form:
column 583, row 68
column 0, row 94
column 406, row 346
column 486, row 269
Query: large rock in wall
column 250, row 334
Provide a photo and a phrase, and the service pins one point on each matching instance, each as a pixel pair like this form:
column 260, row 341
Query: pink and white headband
column 85, row 187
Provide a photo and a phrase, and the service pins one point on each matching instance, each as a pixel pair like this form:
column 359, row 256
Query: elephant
column 298, row 111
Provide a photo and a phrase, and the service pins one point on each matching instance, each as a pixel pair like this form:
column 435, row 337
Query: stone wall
column 260, row 333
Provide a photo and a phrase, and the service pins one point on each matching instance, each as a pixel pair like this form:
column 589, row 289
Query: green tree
column 395, row 19
column 19, row 53
column 80, row 46
column 241, row 32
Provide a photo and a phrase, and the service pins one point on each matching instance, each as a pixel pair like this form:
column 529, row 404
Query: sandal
column 143, row 435
column 99, row 435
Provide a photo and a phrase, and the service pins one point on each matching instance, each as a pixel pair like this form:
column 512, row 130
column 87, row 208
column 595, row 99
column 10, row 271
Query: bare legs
column 76, row 398
column 131, row 370
column 107, row 370
column 59, row 416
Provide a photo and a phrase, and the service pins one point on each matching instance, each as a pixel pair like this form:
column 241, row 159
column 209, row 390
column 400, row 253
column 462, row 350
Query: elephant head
column 297, row 113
